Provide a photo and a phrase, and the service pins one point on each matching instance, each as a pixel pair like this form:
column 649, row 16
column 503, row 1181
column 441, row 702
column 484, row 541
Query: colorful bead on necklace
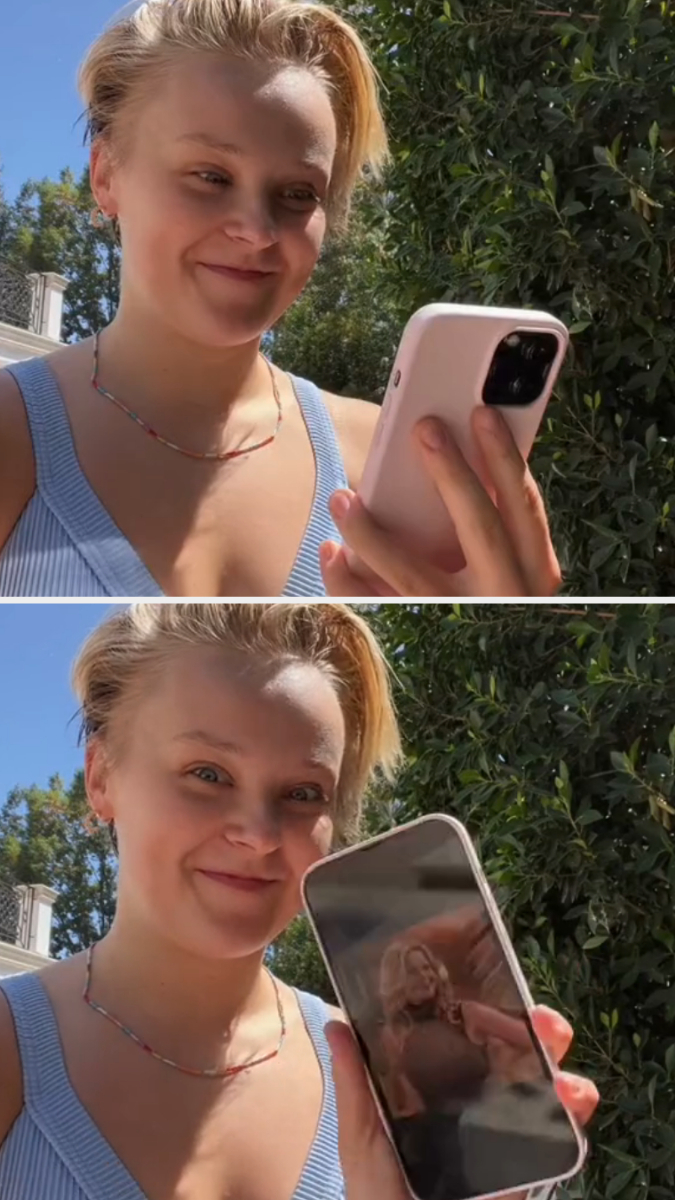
column 212, row 455
column 209, row 1072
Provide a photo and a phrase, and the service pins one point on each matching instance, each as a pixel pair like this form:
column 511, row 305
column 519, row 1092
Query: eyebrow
column 214, row 143
column 218, row 743
column 207, row 139
column 210, row 739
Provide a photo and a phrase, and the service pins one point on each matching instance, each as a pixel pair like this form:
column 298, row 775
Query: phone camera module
column 519, row 369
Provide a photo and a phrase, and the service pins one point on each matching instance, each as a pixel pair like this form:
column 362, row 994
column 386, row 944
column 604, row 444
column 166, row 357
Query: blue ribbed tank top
column 65, row 542
column 54, row 1151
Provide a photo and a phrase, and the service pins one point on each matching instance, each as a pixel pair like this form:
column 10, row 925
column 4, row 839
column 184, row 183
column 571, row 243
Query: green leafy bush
column 534, row 166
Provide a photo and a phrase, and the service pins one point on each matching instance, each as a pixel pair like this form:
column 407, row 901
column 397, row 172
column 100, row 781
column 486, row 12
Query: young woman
column 230, row 747
column 166, row 455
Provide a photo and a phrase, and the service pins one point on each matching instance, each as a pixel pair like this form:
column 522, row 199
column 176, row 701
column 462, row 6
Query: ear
column 97, row 779
column 102, row 176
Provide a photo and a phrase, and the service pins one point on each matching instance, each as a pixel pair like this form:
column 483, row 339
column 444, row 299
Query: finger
column 579, row 1095
column 464, row 926
column 519, row 502
column 554, row 1032
column 400, row 568
column 367, row 1159
column 482, row 534
column 340, row 580
column 358, row 1116
column 495, row 1024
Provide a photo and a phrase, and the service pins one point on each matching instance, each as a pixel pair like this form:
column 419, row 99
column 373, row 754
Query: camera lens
column 519, row 369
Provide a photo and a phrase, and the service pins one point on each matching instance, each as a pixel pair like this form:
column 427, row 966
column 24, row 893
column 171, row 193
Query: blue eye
column 211, row 177
column 307, row 794
column 209, row 774
column 300, row 196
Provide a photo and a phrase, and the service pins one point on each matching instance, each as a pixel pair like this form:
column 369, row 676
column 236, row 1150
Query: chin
column 229, row 321
column 223, row 940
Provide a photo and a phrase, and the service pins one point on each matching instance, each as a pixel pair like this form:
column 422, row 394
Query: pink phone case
column 440, row 368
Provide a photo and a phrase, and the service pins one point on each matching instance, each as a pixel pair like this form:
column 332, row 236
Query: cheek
column 162, row 226
column 306, row 843
column 301, row 247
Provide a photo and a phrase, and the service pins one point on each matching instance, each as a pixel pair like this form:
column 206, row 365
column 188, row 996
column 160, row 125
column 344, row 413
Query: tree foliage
column 47, row 836
column 533, row 166
column 48, row 228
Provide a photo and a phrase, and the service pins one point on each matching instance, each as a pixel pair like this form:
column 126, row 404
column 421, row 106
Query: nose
column 253, row 823
column 250, row 220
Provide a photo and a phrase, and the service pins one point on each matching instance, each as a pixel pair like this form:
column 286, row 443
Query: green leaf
column 590, row 816
column 618, row 1182
column 595, row 941
column 621, row 762
column 651, row 437
column 601, row 556
column 572, row 209
column 603, row 156
column 654, row 135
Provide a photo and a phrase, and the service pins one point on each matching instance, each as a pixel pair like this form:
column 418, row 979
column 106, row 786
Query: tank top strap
column 43, row 1068
column 51, row 1101
column 66, row 490
column 48, row 422
column 305, row 578
column 322, row 1175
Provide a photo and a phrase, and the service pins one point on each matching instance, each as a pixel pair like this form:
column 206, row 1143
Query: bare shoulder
column 11, row 1092
column 17, row 469
column 336, row 1014
column 354, row 422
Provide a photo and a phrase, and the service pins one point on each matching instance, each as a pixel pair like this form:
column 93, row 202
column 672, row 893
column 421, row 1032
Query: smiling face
column 421, row 978
column 227, row 164
column 222, row 789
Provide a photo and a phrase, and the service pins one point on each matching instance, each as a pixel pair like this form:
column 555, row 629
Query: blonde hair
column 126, row 57
column 117, row 660
column 394, row 982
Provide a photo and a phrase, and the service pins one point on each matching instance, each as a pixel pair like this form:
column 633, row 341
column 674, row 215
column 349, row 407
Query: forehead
column 278, row 706
column 262, row 109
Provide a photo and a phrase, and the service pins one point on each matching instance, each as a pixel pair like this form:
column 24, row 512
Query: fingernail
column 340, row 505
column 327, row 552
column 433, row 433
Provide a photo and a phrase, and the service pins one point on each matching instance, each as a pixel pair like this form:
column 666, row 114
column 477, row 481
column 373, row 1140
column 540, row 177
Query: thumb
column 368, row 1162
column 359, row 1120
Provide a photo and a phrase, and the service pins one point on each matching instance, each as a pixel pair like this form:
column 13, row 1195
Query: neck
column 185, row 1006
column 172, row 380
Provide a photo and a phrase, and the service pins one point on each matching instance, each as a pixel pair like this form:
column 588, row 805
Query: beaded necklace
column 209, row 1072
column 209, row 455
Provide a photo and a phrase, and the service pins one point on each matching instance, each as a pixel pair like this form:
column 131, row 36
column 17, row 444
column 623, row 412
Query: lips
column 244, row 275
column 243, row 883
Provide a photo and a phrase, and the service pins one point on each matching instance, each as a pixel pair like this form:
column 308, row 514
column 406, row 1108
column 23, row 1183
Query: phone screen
column 442, row 1026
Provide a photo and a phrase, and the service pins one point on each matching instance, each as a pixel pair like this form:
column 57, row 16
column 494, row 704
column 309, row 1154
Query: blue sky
column 42, row 45
column 38, row 643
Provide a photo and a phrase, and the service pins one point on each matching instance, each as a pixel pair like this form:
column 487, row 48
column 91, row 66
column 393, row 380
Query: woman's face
column 225, row 766
column 228, row 165
column 421, row 978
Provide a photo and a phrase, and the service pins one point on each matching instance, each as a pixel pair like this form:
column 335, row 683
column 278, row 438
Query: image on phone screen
column 442, row 1026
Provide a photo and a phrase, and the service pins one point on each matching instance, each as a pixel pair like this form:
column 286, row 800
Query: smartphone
column 453, row 358
column 428, row 979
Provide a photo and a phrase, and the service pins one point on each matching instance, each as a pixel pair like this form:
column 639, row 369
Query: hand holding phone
column 445, row 1027
column 464, row 518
